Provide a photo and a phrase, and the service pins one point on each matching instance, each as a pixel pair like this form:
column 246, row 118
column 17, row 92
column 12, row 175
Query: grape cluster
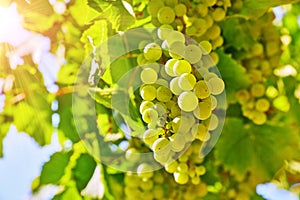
column 179, row 95
column 261, row 60
column 199, row 20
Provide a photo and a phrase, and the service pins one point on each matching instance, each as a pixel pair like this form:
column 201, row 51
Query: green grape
column 164, row 30
column 209, row 75
column 187, row 101
column 181, row 178
column 182, row 167
column 164, row 75
column 174, row 86
column 206, row 47
column 154, row 66
column 213, row 32
column 161, row 144
column 187, row 81
column 171, row 167
column 214, row 122
column 202, row 133
column 158, row 192
column 262, row 105
column 175, row 111
column 177, row 142
column 162, row 82
column 148, row 75
column 258, row 90
column 242, row 96
column 171, row 3
column 154, row 6
column 217, row 85
column 201, row 26
column 200, row 170
column 132, row 154
column 163, row 157
column 163, row 94
column 151, row 135
column 180, row 124
column 212, row 100
column 176, row 50
column 196, row 180
column 175, row 36
column 258, row 117
column 257, row 49
column 145, row 171
column 190, row 136
column 160, row 108
column 219, row 14
column 149, row 115
column 148, row 92
column 146, row 104
column 203, row 111
column 215, row 57
column 209, row 21
column 192, row 53
column 181, row 66
column 169, row 67
column 141, row 60
column 146, row 185
column 142, row 44
column 152, row 52
column 191, row 30
column 180, row 10
column 210, row 2
column 166, row 15
column 201, row 90
column 217, row 42
column 202, row 9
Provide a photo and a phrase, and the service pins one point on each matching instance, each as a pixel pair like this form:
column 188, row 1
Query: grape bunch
column 263, row 57
column 179, row 91
column 199, row 20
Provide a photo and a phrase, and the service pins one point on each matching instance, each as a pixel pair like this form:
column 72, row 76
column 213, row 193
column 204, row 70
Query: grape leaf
column 250, row 148
column 233, row 74
column 83, row 171
column 69, row 193
column 54, row 169
column 256, row 8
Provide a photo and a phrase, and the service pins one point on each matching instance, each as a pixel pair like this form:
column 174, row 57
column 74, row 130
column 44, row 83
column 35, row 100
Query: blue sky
column 22, row 162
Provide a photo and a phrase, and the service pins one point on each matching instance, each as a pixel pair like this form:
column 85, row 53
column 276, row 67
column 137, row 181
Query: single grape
column 196, row 180
column 154, row 6
column 171, row 167
column 175, row 36
column 145, row 170
column 162, row 82
column 181, row 178
column 209, row 75
column 146, row 104
column 209, row 21
column 203, row 111
column 162, row 145
column 148, row 75
column 192, row 53
column 211, row 100
column 177, row 142
column 258, row 90
column 163, row 74
column 262, row 105
column 161, row 108
column 219, row 14
column 151, row 135
column 214, row 122
column 152, row 52
column 201, row 90
column 163, row 94
column 210, row 2
column 174, row 86
column 132, row 154
column 169, row 67
column 182, row 123
column 175, row 111
column 154, row 66
column 166, row 15
column 149, row 115
column 182, row 167
column 217, row 85
column 242, row 96
column 217, row 42
column 206, row 47
column 180, row 10
column 148, row 92
column 187, row 81
column 163, row 31
column 176, row 50
column 259, row 118
column 187, row 101
column 181, row 66
column 213, row 32
column 201, row 26
column 202, row 9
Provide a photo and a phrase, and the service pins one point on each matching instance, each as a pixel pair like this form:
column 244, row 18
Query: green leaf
column 83, row 171
column 54, row 169
column 256, row 8
column 233, row 74
column 236, row 33
column 69, row 193
column 66, row 124
column 260, row 150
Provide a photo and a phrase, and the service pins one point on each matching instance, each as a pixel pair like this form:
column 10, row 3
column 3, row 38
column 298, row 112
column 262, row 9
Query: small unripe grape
column 217, row 42
column 148, row 76
column 219, row 14
column 217, row 85
column 145, row 170
column 214, row 122
column 176, row 50
column 182, row 66
column 148, row 92
column 206, row 47
column 192, row 53
column 196, row 180
column 210, row 2
column 174, row 86
column 146, row 104
column 154, row 6
column 169, row 67
column 187, row 101
column 171, row 167
column 209, row 21
column 262, row 105
column 182, row 167
column 202, row 9
column 162, row 82
column 242, row 96
column 164, row 30
column 175, row 111
column 163, row 94
column 149, row 115
column 181, row 178
column 175, row 36
column 201, row 90
column 258, row 90
column 152, row 52
column 166, row 15
column 132, row 155
column 161, row 144
column 187, row 81
column 203, row 111
column 151, row 135
column 213, row 32
column 259, row 118
column 180, row 10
